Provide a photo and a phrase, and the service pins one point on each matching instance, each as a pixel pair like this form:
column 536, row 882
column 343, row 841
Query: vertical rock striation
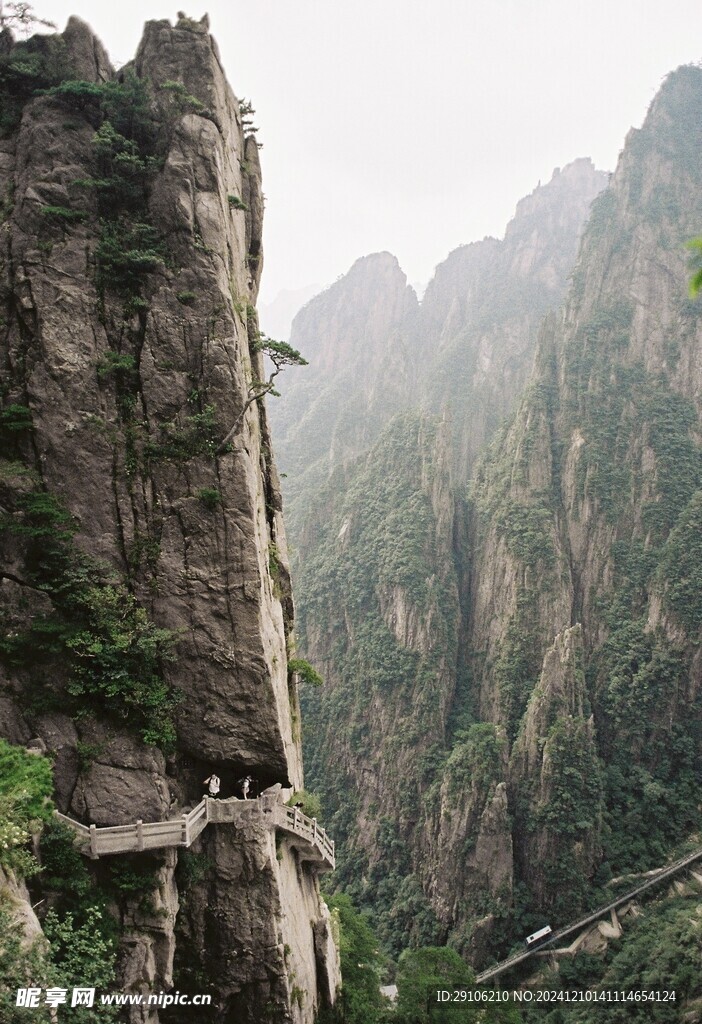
column 580, row 513
column 360, row 338
column 483, row 308
column 128, row 339
column 427, row 790
column 562, row 742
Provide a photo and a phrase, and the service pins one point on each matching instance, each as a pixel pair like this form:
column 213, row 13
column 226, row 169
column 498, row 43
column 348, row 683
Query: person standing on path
column 213, row 785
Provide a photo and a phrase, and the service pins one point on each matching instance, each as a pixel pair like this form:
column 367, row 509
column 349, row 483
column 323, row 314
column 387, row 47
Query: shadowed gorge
column 500, row 588
column 490, row 506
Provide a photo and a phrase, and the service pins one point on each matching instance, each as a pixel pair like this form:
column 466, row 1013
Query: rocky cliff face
column 154, row 560
column 465, row 351
column 580, row 511
column 360, row 339
column 564, row 743
column 485, row 303
column 468, row 348
column 380, row 619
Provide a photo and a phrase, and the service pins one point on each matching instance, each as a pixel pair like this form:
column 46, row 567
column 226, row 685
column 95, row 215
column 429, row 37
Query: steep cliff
column 395, row 772
column 483, row 307
column 584, row 515
column 145, row 590
column 467, row 348
column 363, row 348
column 561, row 743
column 380, row 617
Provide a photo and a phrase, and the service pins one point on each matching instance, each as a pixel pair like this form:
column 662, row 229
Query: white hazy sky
column 416, row 125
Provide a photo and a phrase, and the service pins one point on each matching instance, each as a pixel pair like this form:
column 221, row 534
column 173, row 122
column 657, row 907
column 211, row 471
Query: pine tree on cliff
column 281, row 355
column 17, row 14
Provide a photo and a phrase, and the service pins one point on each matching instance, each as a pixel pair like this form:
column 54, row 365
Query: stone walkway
column 313, row 843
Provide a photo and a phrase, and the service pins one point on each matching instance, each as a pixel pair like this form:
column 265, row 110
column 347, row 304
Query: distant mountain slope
column 571, row 715
column 483, row 308
column 276, row 316
column 360, row 339
column 380, row 535
column 373, row 349
column 588, row 513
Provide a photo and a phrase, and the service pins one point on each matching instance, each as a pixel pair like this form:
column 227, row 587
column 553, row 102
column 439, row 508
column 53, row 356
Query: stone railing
column 98, row 841
column 667, row 871
column 292, row 820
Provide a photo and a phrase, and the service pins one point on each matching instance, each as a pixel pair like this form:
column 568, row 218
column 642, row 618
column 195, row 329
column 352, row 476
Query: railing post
column 295, row 813
column 184, row 832
column 93, row 842
column 314, row 831
column 140, row 834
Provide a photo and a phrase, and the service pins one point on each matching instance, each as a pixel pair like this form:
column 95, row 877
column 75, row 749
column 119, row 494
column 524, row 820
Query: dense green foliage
column 571, row 815
column 361, row 966
column 418, row 972
column 36, row 63
column 26, row 787
column 127, row 154
column 211, row 497
column 77, row 953
column 126, row 253
column 185, row 438
column 110, row 656
column 476, row 759
column 307, row 673
column 311, row 804
column 695, row 244
column 381, row 546
column 658, row 952
column 79, row 945
column 15, row 419
column 661, row 952
column 519, row 658
column 83, row 956
column 652, row 754
column 64, row 870
column 422, row 971
column 681, row 567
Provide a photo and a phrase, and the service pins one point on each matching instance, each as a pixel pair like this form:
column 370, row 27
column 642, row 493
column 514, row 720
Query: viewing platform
column 312, row 842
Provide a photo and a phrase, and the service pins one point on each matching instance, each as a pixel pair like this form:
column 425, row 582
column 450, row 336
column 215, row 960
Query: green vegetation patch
column 361, row 966
column 650, row 741
column 681, row 567
column 111, row 656
column 658, row 952
column 26, row 787
column 31, row 65
column 180, row 440
column 476, row 760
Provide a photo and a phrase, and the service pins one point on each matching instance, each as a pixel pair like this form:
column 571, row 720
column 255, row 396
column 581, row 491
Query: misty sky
column 415, row 126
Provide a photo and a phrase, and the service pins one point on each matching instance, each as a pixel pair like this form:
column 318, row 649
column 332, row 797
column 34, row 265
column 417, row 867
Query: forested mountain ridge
column 584, row 514
column 571, row 746
column 374, row 350
column 482, row 310
column 364, row 351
